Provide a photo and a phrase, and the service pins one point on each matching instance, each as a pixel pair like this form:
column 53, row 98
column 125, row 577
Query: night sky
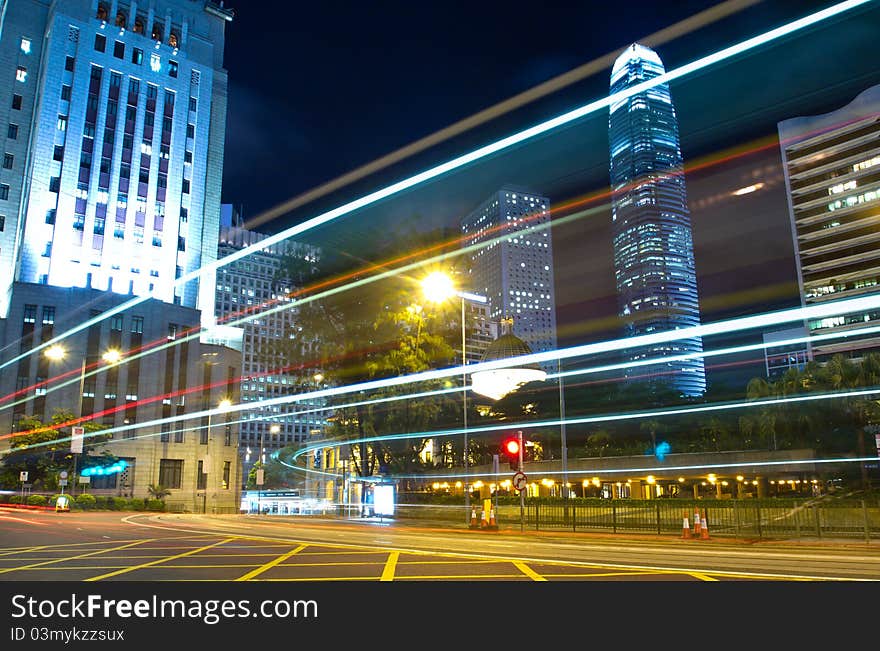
column 315, row 90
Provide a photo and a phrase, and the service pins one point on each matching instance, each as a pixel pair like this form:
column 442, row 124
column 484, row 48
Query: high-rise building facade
column 832, row 174
column 114, row 119
column 653, row 241
column 513, row 268
column 253, row 296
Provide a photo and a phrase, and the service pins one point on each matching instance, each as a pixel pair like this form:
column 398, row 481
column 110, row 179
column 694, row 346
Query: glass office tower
column 653, row 243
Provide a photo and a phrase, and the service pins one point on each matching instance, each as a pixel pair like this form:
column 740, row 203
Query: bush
column 4, row 498
column 119, row 504
column 36, row 500
column 138, row 505
column 100, row 502
column 155, row 505
column 85, row 501
column 15, row 499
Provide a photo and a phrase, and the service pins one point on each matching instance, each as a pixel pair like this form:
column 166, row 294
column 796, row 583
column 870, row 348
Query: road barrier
column 745, row 519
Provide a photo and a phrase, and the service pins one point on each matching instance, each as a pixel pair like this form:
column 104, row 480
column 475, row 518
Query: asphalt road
column 109, row 546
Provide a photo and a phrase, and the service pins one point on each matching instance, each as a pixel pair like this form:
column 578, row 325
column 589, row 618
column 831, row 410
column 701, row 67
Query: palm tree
column 158, row 492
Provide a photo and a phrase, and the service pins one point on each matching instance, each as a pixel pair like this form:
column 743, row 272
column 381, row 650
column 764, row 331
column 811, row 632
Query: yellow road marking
column 23, row 551
column 271, row 564
column 73, row 558
column 702, row 577
column 529, row 572
column 156, row 562
column 390, row 564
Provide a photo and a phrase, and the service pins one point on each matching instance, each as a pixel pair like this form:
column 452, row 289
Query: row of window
column 137, row 56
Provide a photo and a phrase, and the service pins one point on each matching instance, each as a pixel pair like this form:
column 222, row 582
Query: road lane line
column 73, row 558
column 271, row 564
column 132, row 568
column 529, row 572
column 390, row 565
column 702, row 577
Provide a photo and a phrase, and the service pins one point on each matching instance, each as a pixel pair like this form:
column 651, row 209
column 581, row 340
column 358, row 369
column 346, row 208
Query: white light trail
column 471, row 157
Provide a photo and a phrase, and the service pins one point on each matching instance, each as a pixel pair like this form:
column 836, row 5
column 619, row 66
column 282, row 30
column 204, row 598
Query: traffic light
column 510, row 449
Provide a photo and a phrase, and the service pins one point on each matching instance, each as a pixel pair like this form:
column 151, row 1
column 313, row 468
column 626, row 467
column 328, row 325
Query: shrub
column 4, row 498
column 36, row 500
column 119, row 504
column 15, row 499
column 85, row 501
column 138, row 505
column 155, row 505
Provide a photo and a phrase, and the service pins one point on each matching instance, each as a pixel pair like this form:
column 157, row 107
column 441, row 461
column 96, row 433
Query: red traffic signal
column 510, row 447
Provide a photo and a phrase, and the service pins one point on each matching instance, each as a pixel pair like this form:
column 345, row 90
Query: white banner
column 76, row 439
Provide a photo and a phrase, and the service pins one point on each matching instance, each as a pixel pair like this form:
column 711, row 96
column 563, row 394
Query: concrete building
column 114, row 115
column 251, row 287
column 159, row 373
column 832, row 174
column 653, row 241
column 514, row 267
column 779, row 356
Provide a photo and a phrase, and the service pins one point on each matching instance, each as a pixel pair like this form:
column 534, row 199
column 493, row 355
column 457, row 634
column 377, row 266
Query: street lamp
column 438, row 287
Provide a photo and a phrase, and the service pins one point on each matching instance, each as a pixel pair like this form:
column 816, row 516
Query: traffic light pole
column 522, row 498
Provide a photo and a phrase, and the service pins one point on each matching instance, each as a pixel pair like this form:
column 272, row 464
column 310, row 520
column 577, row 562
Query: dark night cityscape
column 434, row 292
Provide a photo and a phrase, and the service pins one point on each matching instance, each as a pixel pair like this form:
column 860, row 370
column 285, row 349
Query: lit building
column 832, row 174
column 251, row 287
column 779, row 357
column 653, row 241
column 145, row 381
column 115, row 117
column 513, row 268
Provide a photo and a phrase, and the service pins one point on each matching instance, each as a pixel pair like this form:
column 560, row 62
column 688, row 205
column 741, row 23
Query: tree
column 376, row 330
column 43, row 450
column 158, row 492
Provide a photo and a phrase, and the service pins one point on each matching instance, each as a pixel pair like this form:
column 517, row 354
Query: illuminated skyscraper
column 653, row 243
column 115, row 119
column 832, row 174
column 514, row 270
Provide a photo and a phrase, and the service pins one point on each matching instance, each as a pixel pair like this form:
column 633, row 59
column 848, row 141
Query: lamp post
column 437, row 287
column 57, row 353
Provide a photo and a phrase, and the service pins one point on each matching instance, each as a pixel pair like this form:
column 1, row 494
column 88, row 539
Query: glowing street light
column 112, row 356
column 438, row 287
column 56, row 353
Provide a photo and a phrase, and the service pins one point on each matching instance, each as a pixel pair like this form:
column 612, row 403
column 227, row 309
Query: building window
column 227, row 471
column 62, row 123
column 65, row 93
column 116, row 322
column 4, row 191
column 137, row 324
column 201, row 476
column 16, row 102
column 187, row 157
column 193, row 103
column 172, row 68
column 30, row 313
column 119, row 50
column 184, row 215
column 50, row 216
column 190, row 131
column 100, row 42
column 137, row 56
column 185, row 189
column 68, row 64
column 2, row 223
column 172, row 331
column 21, row 74
column 170, row 472
column 48, row 315
column 8, row 159
column 12, row 132
column 25, row 45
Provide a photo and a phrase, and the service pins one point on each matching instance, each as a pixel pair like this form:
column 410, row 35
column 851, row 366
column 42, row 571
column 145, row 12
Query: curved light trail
column 471, row 157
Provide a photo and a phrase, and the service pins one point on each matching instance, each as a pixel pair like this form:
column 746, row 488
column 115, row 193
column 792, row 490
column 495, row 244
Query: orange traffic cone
column 696, row 523
column 474, row 524
column 704, row 532
column 483, row 521
column 685, row 528
column 492, row 523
